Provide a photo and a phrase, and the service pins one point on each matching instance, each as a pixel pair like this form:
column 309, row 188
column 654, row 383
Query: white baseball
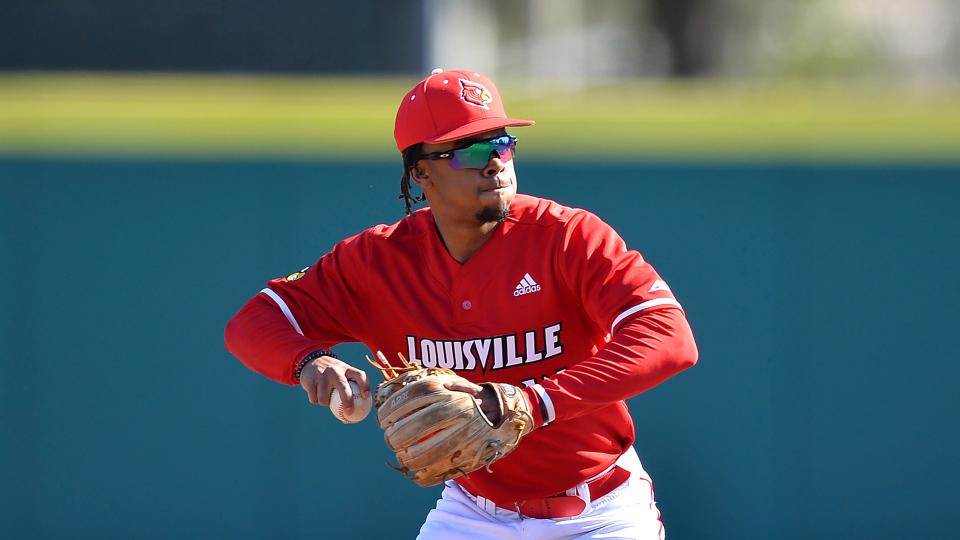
column 361, row 406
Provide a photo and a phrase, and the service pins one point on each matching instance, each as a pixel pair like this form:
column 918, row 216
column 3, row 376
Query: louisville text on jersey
column 495, row 352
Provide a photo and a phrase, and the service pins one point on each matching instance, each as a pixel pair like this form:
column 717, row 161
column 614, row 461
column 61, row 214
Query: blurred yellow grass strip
column 178, row 115
column 183, row 115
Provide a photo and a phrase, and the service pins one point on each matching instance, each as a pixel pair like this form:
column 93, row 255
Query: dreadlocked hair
column 410, row 157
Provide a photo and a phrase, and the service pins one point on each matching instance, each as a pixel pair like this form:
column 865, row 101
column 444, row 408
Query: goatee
column 489, row 215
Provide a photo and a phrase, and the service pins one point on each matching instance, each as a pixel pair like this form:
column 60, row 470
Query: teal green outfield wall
column 824, row 300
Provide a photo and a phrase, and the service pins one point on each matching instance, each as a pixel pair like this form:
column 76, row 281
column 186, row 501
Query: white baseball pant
column 629, row 512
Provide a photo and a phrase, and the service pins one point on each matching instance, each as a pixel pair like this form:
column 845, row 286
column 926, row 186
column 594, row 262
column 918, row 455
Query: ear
column 420, row 176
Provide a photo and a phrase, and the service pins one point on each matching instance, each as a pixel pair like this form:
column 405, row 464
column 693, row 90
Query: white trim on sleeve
column 643, row 306
column 283, row 307
column 547, row 403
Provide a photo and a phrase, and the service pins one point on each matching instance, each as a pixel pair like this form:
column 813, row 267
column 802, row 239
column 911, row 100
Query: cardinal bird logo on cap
column 475, row 93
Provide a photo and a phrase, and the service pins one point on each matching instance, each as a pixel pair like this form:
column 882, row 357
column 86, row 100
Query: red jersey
column 533, row 307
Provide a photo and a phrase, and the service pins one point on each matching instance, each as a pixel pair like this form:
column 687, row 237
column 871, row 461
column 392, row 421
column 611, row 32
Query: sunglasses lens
column 474, row 156
column 477, row 155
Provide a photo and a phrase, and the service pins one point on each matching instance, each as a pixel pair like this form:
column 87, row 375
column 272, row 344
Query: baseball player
column 499, row 287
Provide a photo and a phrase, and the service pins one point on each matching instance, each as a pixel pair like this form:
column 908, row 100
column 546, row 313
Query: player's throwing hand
column 324, row 374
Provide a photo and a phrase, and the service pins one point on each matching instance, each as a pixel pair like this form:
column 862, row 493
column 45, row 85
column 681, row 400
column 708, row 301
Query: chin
column 491, row 214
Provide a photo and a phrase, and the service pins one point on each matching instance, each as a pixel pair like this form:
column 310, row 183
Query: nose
column 495, row 165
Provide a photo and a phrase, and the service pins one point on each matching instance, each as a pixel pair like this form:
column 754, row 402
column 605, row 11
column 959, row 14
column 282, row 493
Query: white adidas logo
column 526, row 286
column 659, row 285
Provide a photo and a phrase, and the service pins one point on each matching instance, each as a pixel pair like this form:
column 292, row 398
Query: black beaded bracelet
column 306, row 360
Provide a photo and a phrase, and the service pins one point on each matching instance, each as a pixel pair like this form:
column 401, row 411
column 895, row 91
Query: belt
column 562, row 505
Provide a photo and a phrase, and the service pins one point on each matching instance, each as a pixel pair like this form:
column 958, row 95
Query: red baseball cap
column 450, row 105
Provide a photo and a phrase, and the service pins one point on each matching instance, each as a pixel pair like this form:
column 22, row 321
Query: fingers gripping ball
column 439, row 434
column 361, row 406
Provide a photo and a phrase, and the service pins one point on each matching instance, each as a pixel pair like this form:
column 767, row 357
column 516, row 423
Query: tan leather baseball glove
column 439, row 434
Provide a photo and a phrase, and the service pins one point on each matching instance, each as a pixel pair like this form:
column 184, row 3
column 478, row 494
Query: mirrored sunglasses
column 477, row 155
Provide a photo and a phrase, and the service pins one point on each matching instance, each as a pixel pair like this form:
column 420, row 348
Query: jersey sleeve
column 645, row 351
column 613, row 282
column 324, row 302
column 313, row 309
column 648, row 337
